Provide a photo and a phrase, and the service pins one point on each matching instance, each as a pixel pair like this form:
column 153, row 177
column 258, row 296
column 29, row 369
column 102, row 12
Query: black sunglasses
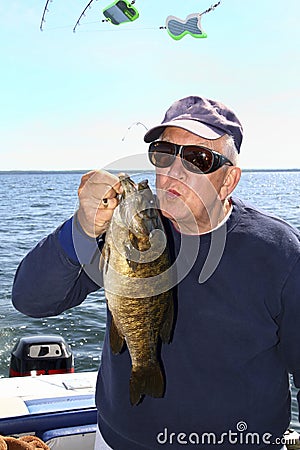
column 195, row 158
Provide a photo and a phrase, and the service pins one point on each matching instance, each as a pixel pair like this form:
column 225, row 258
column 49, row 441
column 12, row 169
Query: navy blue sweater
column 236, row 335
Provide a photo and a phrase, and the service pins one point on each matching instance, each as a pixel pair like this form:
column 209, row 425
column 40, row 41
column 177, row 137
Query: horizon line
column 7, row 171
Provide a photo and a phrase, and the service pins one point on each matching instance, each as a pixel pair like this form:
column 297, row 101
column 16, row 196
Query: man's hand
column 97, row 193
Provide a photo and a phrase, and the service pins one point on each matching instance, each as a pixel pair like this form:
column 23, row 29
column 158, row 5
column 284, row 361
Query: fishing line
column 134, row 124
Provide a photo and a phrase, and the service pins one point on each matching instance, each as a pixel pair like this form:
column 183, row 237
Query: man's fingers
column 98, row 196
column 100, row 184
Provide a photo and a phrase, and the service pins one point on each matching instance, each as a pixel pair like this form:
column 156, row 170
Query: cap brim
column 193, row 126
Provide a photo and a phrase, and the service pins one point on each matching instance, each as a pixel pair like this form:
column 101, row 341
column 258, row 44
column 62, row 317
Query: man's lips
column 173, row 193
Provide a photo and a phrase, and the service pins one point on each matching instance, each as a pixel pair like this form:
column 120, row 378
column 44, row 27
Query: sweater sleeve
column 289, row 336
column 58, row 273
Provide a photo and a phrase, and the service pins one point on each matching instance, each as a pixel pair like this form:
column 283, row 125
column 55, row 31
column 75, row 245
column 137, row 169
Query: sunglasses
column 195, row 158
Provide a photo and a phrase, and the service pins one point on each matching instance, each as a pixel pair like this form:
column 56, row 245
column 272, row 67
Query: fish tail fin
column 146, row 381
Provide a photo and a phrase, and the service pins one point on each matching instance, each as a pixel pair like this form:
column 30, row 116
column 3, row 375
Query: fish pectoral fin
column 166, row 329
column 146, row 381
column 116, row 339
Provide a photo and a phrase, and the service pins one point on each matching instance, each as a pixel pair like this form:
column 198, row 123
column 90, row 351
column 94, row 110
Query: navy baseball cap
column 201, row 116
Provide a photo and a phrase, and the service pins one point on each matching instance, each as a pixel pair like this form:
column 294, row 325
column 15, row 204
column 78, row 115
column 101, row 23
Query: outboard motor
column 41, row 355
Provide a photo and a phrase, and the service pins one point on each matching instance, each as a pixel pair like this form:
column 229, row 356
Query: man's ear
column 231, row 180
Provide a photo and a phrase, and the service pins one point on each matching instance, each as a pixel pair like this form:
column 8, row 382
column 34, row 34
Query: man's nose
column 176, row 170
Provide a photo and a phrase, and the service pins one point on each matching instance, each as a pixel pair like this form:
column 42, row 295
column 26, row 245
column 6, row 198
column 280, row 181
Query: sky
column 72, row 101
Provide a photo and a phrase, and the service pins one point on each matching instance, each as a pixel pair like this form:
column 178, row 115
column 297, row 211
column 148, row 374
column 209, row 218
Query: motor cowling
column 41, row 355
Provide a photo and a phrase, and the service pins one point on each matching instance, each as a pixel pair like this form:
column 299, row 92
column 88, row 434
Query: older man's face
column 188, row 198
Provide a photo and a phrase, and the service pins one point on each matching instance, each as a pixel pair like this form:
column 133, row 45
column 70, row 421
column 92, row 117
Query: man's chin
column 178, row 220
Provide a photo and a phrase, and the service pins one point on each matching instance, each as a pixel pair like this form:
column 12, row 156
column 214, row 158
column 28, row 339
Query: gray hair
column 230, row 150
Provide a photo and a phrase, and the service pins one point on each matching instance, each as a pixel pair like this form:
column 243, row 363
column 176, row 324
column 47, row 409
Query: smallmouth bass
column 137, row 283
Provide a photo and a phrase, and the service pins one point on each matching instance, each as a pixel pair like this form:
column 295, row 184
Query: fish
column 138, row 287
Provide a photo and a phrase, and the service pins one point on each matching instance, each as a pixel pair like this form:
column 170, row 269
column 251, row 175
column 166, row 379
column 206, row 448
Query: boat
column 43, row 396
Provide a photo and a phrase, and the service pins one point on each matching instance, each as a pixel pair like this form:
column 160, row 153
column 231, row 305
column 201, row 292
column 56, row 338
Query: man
column 236, row 335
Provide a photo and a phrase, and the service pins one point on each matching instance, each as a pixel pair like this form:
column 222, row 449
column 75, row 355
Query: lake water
column 33, row 204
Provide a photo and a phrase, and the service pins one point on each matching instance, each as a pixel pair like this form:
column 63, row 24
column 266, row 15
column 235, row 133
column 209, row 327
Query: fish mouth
column 138, row 208
column 128, row 186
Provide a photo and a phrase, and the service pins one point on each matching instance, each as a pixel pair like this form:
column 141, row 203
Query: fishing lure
column 120, row 11
column 178, row 28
